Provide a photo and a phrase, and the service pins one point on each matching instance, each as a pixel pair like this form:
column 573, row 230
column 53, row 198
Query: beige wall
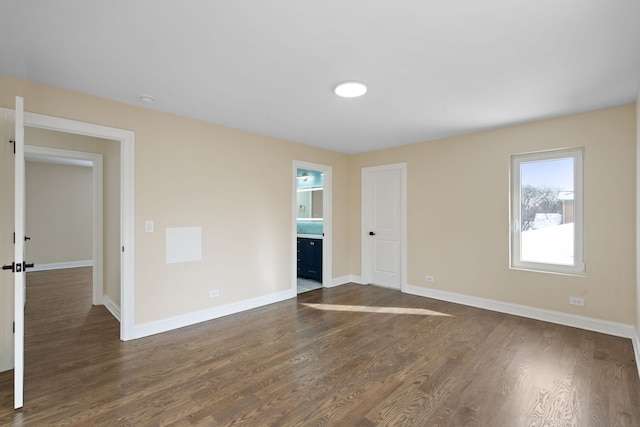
column 59, row 213
column 236, row 185
column 110, row 151
column 458, row 213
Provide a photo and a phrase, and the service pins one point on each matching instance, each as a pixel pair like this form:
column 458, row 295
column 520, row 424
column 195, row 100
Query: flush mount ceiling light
column 350, row 89
column 147, row 99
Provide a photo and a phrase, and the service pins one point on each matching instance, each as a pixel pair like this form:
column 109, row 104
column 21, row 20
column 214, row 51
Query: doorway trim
column 326, row 219
column 35, row 153
column 367, row 262
column 126, row 139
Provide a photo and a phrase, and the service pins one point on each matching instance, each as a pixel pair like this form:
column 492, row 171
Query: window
column 547, row 211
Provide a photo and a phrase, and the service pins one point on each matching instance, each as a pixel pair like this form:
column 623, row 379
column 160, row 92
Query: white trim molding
column 112, row 307
column 171, row 323
column 338, row 281
column 588, row 323
column 61, row 265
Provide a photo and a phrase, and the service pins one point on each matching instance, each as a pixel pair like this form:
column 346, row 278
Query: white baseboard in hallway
column 62, row 265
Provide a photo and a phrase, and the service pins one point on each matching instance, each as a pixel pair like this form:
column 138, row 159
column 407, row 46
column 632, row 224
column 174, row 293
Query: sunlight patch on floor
column 369, row 309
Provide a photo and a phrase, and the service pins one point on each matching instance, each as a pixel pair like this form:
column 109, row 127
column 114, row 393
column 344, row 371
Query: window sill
column 550, row 271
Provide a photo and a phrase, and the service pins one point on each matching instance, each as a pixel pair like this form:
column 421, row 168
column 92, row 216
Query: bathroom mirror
column 309, row 202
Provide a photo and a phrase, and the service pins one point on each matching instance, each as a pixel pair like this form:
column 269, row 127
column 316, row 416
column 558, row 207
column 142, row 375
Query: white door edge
column 19, row 274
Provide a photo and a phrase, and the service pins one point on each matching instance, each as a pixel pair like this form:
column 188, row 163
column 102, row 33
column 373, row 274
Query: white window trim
column 579, row 266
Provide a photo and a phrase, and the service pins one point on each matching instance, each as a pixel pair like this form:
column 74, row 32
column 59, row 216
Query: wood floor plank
column 347, row 356
column 474, row 398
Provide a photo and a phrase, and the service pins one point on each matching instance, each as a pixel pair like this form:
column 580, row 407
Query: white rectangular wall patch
column 184, row 244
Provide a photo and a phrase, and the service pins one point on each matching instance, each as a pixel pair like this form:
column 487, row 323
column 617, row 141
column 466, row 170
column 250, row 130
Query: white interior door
column 7, row 131
column 383, row 213
column 20, row 264
column 14, row 238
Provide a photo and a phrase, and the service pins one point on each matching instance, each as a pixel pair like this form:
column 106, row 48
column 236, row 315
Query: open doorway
column 312, row 223
column 73, row 208
column 72, row 220
column 125, row 141
column 18, row 121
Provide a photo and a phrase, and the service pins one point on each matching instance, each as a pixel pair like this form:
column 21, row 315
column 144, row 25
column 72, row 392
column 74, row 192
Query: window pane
column 546, row 211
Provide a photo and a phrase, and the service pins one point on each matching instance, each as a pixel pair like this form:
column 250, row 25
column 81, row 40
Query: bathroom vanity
column 310, row 257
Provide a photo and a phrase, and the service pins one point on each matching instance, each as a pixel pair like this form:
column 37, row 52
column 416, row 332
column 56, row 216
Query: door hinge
column 26, row 238
column 11, row 141
column 14, row 327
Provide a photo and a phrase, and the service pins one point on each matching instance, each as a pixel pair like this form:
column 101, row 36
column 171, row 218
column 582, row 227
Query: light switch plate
column 148, row 226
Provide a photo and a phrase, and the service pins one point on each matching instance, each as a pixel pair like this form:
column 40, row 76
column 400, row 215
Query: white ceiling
column 434, row 68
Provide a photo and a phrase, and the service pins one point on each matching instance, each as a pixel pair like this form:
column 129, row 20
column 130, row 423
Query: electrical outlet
column 214, row 293
column 429, row 278
column 576, row 301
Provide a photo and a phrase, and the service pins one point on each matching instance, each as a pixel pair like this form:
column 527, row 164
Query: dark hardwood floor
column 347, row 356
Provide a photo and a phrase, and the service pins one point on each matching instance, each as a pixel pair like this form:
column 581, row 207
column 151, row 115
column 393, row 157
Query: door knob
column 371, row 233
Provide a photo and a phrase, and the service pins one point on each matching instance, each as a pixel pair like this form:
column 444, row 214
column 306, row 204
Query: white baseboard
column 61, row 265
column 164, row 325
column 337, row 281
column 582, row 322
column 113, row 308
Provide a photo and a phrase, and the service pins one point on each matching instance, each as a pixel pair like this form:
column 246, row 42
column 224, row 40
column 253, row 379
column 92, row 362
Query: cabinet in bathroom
column 310, row 258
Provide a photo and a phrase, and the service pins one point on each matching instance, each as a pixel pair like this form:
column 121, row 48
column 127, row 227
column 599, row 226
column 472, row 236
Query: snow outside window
column 547, row 211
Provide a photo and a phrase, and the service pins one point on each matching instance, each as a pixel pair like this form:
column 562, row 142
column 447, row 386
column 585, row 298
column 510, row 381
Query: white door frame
column 367, row 263
column 126, row 139
column 326, row 226
column 56, row 155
